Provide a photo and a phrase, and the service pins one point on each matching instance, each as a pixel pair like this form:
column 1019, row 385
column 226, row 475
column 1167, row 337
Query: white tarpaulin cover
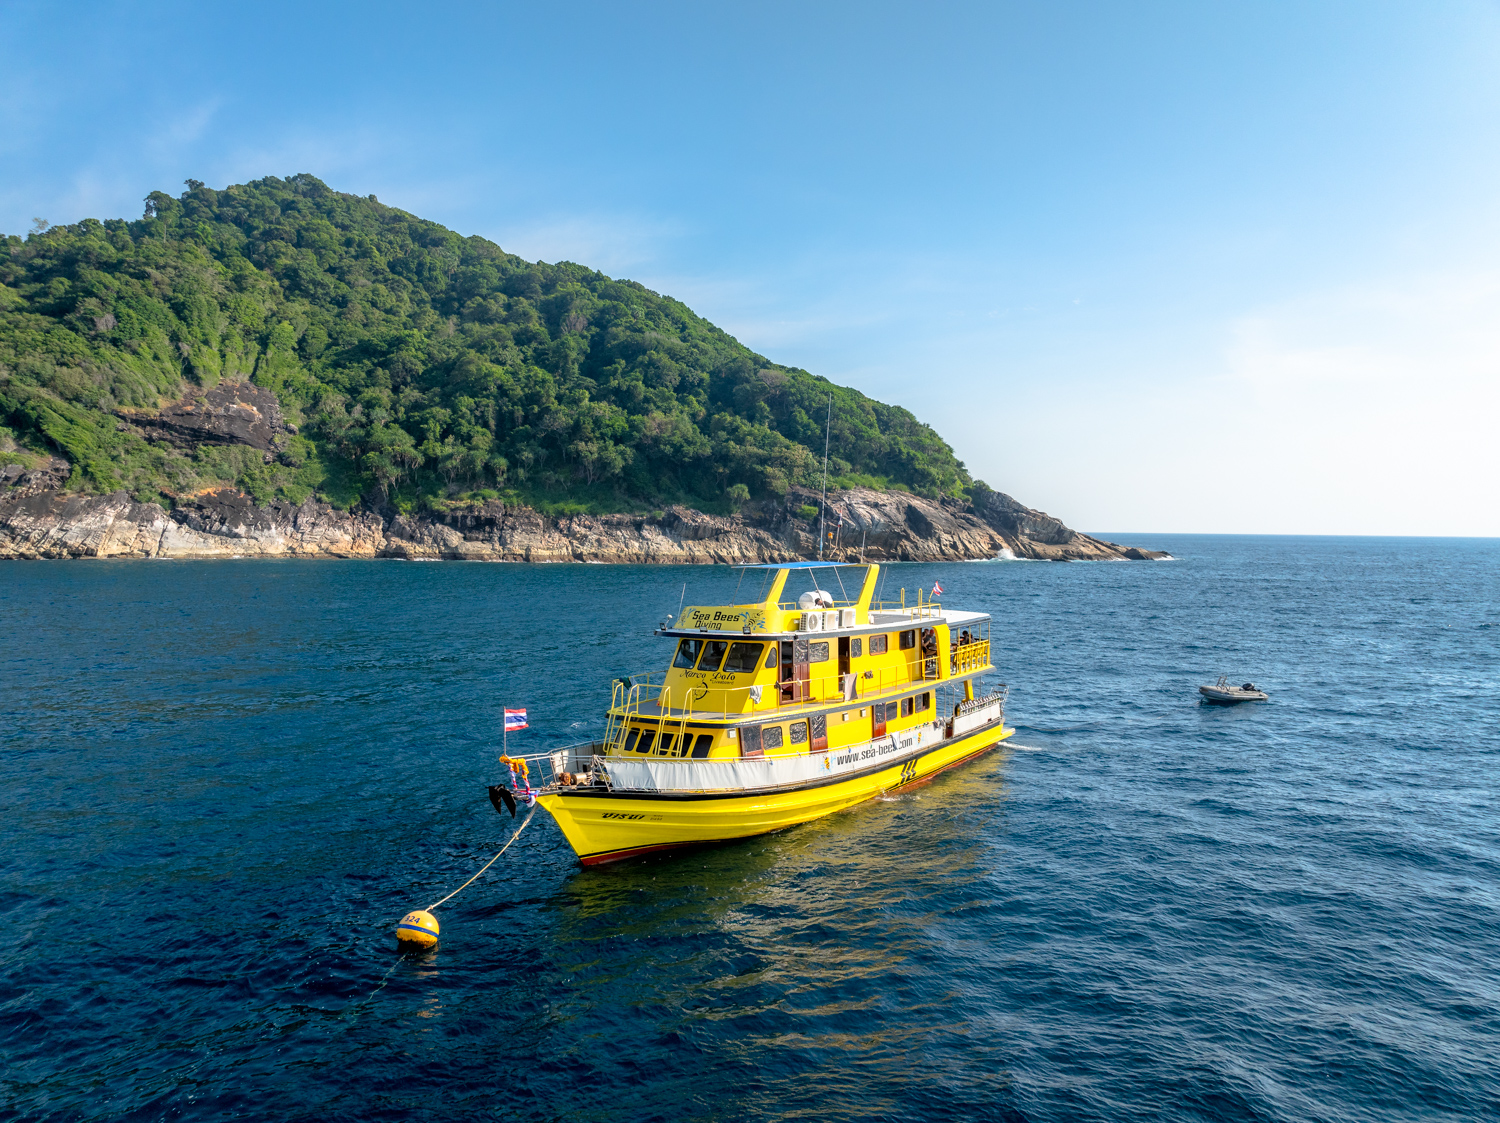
column 768, row 772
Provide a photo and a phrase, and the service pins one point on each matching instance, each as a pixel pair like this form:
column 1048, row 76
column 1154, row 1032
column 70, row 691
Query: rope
column 488, row 864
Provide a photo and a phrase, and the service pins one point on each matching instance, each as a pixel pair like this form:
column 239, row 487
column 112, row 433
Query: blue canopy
column 799, row 565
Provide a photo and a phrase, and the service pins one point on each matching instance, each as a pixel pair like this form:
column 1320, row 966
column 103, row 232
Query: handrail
column 586, row 766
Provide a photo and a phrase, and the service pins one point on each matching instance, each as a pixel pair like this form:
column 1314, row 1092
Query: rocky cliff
column 39, row 519
column 44, row 522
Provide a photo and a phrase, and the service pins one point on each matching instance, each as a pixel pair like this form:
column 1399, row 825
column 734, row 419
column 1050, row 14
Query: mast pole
column 827, row 428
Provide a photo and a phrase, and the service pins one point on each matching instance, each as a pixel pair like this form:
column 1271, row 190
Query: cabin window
column 750, row 740
column 798, row 731
column 630, row 740
column 713, row 654
column 687, row 653
column 771, row 657
column 908, row 639
column 856, row 647
column 878, row 644
column 770, row 737
column 907, row 706
column 701, row 746
column 644, row 745
column 667, row 744
column 743, row 657
column 892, row 710
column 817, row 652
column 924, row 701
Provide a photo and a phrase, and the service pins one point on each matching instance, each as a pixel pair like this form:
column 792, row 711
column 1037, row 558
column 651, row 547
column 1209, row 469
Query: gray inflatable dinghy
column 1225, row 695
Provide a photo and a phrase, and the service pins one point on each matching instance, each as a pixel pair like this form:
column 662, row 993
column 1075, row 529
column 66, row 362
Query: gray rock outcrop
column 228, row 414
column 860, row 523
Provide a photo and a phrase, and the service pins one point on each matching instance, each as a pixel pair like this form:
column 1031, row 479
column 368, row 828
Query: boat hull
column 1230, row 697
column 609, row 826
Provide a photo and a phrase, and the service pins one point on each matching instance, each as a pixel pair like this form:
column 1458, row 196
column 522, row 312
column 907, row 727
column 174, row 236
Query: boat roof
column 801, row 565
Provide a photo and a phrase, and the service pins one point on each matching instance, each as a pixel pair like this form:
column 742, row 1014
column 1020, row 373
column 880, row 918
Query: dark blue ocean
column 224, row 782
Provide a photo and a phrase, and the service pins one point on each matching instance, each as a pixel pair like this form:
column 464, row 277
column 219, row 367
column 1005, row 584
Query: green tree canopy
column 417, row 364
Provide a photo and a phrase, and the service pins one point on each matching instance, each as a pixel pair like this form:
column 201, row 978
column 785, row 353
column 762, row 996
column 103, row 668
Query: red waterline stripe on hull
column 618, row 855
column 935, row 773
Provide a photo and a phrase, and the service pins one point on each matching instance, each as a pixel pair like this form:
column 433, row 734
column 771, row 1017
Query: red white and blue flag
column 515, row 719
column 937, row 590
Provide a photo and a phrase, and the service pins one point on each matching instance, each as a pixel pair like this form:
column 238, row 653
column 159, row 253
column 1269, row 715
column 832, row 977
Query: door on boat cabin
column 750, row 741
column 929, row 653
column 819, row 724
column 801, row 669
column 877, row 721
column 844, row 680
column 786, row 676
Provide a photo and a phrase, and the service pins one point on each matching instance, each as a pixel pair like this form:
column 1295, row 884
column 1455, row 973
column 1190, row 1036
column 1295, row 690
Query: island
column 281, row 369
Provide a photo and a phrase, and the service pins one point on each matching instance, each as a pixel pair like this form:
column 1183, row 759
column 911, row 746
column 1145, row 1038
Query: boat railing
column 589, row 764
column 635, row 700
column 966, row 657
column 571, row 766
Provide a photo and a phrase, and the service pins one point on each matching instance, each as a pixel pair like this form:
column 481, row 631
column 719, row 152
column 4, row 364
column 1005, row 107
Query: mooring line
column 488, row 864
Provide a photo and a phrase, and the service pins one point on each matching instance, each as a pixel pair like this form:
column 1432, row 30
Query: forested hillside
column 415, row 366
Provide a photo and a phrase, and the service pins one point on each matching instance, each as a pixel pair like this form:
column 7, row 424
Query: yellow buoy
column 419, row 929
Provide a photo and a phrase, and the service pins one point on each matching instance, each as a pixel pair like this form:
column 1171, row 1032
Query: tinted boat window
column 713, row 654
column 909, row 639
column 701, row 746
column 743, row 657
column 687, row 653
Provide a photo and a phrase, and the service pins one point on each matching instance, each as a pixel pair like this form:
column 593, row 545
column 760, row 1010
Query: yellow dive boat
column 771, row 714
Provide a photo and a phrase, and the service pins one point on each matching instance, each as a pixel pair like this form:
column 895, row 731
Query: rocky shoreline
column 38, row 520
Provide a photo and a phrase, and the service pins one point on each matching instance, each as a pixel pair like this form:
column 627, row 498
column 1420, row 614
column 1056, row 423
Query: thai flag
column 937, row 590
column 515, row 719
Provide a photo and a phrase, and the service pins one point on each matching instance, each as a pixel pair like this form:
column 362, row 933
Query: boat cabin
column 800, row 672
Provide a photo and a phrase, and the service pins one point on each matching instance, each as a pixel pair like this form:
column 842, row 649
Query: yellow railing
column 820, row 688
column 968, row 657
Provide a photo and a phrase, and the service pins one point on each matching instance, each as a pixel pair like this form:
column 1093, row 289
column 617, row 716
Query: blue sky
column 1149, row 266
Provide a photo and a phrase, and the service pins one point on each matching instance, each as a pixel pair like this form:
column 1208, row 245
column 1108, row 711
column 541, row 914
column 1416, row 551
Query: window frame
column 754, row 663
column 719, row 662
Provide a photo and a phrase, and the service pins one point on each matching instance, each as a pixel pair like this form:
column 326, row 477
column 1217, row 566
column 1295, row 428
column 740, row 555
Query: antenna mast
column 822, row 506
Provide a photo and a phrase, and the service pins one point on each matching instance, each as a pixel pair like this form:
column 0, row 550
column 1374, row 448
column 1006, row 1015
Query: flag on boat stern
column 515, row 719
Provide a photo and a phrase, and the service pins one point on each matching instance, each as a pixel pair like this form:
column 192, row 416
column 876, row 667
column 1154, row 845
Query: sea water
column 224, row 782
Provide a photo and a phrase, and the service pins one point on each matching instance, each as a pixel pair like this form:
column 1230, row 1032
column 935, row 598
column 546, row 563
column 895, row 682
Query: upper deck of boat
column 817, row 654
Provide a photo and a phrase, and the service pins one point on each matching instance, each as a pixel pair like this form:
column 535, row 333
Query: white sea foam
column 1006, row 554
